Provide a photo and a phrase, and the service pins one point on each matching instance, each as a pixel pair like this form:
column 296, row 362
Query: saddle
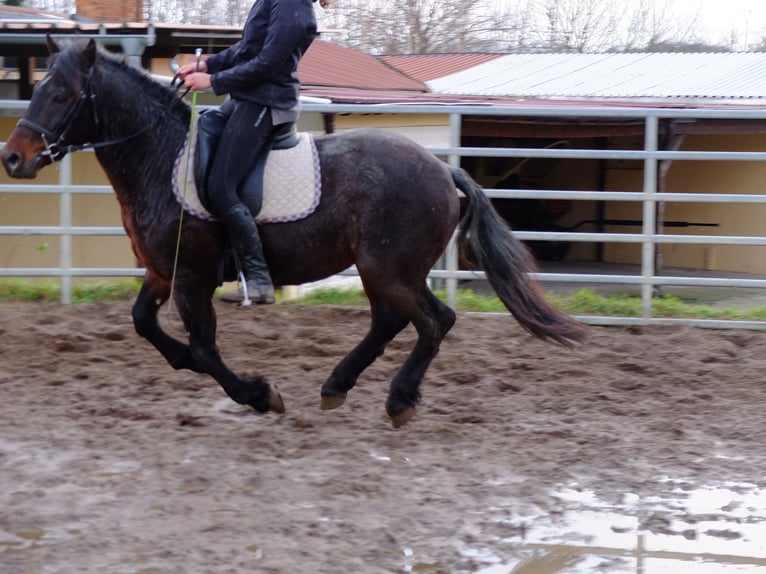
column 209, row 130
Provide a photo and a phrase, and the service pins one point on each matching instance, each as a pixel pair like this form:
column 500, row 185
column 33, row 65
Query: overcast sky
column 718, row 18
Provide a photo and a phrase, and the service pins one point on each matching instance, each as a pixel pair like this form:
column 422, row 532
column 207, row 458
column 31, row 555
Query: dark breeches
column 248, row 129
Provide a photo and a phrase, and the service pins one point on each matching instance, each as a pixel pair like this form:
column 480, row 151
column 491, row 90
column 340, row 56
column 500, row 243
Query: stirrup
column 233, row 296
column 254, row 294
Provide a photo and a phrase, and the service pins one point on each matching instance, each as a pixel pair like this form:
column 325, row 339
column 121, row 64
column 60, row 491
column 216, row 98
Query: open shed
column 666, row 81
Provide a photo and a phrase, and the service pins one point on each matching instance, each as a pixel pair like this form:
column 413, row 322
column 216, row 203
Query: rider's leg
column 246, row 241
column 246, row 133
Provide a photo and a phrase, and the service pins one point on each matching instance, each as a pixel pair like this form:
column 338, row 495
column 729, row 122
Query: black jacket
column 262, row 67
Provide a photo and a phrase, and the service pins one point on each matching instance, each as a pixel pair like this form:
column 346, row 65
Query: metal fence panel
column 650, row 156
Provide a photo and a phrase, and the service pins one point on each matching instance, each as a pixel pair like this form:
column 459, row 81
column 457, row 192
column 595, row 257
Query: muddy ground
column 110, row 461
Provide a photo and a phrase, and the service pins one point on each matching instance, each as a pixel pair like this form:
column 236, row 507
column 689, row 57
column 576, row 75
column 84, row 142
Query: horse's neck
column 146, row 139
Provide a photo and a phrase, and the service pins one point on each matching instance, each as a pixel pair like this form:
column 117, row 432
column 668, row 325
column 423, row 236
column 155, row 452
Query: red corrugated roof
column 326, row 64
column 425, row 67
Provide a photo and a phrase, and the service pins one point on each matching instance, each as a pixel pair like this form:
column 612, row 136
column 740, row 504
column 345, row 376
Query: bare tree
column 60, row 6
column 512, row 23
column 760, row 45
column 411, row 26
column 217, row 12
column 432, row 26
column 439, row 26
column 578, row 25
column 598, row 25
column 651, row 24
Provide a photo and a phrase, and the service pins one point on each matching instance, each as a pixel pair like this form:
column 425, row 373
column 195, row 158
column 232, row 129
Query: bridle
column 54, row 140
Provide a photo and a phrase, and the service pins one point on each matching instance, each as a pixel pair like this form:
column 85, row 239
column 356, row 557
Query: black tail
column 506, row 261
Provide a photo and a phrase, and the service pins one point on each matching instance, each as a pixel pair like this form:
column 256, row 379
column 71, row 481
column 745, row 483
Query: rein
column 54, row 144
column 176, row 78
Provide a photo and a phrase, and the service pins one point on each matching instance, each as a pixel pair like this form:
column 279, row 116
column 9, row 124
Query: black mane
column 133, row 82
column 139, row 124
column 163, row 95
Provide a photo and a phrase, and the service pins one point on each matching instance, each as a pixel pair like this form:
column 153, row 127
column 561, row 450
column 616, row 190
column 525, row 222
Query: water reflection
column 687, row 530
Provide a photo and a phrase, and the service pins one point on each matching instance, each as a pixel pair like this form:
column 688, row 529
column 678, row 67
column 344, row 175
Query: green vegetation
column 50, row 290
column 334, row 296
column 582, row 302
column 587, row 302
column 467, row 300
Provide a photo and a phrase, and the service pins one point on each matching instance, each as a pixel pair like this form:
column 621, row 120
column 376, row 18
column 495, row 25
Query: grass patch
column 582, row 302
column 335, row 296
column 50, row 290
column 587, row 302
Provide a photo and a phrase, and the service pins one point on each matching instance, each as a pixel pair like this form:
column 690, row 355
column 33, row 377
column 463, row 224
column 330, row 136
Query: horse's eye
column 59, row 96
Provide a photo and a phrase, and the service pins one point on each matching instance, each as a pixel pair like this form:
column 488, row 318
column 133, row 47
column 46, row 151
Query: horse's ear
column 90, row 54
column 53, row 47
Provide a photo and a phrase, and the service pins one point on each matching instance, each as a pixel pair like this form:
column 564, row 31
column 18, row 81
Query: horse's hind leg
column 386, row 324
column 432, row 320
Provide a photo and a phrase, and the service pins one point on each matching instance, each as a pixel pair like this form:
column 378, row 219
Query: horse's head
column 60, row 112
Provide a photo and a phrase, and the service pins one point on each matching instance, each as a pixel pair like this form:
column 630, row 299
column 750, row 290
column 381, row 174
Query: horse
column 388, row 206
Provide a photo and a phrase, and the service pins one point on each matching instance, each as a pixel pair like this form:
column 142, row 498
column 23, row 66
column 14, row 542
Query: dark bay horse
column 387, row 205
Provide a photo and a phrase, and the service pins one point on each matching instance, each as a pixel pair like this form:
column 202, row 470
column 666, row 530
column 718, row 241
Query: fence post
column 650, row 217
column 65, row 220
column 455, row 126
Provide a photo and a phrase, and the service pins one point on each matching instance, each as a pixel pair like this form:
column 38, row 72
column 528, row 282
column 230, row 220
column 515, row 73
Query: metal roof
column 730, row 75
column 326, row 64
column 426, row 67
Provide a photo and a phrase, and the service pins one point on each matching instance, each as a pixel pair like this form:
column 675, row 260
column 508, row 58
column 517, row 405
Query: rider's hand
column 196, row 81
column 192, row 67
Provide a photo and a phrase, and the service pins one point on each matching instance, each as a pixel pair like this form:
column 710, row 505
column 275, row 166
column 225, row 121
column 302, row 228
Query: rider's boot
column 247, row 243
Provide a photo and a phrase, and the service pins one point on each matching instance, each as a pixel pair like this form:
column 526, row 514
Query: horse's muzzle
column 12, row 162
column 21, row 157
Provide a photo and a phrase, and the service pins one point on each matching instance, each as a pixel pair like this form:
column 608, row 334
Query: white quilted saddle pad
column 292, row 183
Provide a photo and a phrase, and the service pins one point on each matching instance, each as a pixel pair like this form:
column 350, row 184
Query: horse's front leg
column 198, row 315
column 151, row 297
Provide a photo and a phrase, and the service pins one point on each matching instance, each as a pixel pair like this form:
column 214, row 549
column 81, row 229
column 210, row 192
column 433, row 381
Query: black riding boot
column 246, row 241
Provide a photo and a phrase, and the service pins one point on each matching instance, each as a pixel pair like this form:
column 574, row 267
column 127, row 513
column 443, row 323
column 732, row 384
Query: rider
column 259, row 73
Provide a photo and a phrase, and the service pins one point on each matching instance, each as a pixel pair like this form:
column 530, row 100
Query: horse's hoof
column 330, row 402
column 276, row 404
column 403, row 417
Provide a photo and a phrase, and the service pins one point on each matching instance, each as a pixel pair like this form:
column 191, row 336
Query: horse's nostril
column 11, row 161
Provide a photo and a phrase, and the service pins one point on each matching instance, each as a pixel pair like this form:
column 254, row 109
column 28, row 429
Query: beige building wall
column 426, row 129
column 743, row 177
column 38, row 251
